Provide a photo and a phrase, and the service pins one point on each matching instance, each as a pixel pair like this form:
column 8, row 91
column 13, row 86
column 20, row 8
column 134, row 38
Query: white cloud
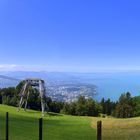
column 7, row 66
column 14, row 67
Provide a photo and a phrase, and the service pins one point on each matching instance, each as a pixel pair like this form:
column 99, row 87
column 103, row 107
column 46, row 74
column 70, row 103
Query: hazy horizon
column 109, row 85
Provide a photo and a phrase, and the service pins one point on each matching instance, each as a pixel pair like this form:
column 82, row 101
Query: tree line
column 126, row 106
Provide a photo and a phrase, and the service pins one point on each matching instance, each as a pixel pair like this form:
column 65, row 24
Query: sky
column 69, row 35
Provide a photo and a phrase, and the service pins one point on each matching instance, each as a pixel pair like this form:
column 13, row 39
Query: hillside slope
column 24, row 126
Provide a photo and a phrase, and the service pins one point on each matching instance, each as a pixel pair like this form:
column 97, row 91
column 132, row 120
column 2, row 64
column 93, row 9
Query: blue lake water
column 114, row 84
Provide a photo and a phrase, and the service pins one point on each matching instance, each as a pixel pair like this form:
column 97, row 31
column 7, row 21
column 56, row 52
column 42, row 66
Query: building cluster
column 69, row 93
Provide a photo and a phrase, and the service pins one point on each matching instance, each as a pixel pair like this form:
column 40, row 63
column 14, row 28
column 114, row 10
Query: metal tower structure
column 25, row 92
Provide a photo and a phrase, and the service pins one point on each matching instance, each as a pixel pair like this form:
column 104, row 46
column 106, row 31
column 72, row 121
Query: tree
column 108, row 107
column 81, row 106
column 56, row 106
column 124, row 108
column 136, row 104
column 69, row 108
column 8, row 96
column 103, row 104
column 93, row 108
column 34, row 101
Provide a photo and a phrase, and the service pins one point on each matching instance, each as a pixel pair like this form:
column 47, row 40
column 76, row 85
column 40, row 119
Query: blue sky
column 70, row 35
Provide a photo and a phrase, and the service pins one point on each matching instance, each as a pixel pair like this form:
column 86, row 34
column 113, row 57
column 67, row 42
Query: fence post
column 7, row 126
column 99, row 130
column 40, row 129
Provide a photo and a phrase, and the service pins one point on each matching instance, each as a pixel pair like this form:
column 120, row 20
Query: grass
column 119, row 129
column 24, row 126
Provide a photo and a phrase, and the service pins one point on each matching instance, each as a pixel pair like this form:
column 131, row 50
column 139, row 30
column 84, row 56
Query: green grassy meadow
column 24, row 126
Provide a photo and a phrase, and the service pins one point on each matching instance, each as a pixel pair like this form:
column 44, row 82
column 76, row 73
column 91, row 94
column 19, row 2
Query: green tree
column 103, row 104
column 108, row 106
column 81, row 109
column 124, row 108
column 136, row 104
column 8, row 96
column 93, row 108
